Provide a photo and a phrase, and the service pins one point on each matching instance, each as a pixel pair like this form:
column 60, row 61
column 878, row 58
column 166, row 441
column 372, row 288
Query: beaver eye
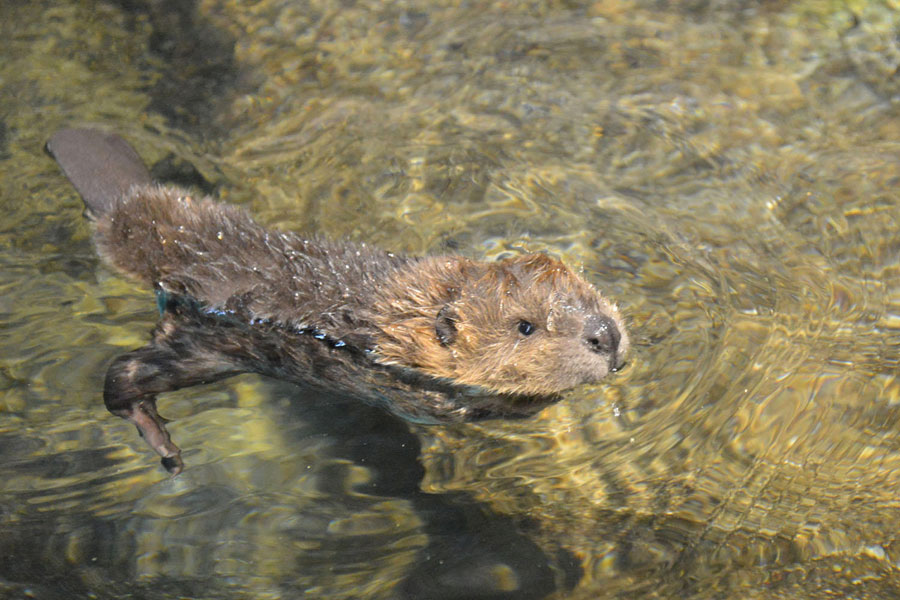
column 526, row 328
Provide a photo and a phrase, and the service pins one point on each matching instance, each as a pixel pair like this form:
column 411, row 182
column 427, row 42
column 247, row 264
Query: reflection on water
column 727, row 171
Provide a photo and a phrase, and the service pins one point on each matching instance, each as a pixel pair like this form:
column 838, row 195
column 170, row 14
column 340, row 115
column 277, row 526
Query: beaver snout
column 603, row 337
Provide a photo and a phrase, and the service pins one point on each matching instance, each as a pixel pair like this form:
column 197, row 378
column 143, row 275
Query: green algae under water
column 727, row 171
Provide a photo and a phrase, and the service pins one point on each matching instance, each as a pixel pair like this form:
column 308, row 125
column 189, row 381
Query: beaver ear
column 445, row 325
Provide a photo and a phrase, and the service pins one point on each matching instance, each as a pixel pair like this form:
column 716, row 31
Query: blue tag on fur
column 162, row 299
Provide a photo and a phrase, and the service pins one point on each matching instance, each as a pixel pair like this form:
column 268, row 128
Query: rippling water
column 727, row 171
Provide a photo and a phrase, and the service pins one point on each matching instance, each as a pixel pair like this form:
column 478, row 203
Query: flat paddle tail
column 101, row 166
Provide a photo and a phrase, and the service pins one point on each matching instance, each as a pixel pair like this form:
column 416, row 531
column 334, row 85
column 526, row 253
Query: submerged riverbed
column 727, row 171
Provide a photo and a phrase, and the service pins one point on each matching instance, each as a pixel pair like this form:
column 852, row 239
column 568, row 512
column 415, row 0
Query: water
column 727, row 171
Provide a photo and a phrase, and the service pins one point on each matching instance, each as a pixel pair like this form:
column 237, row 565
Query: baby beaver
column 433, row 339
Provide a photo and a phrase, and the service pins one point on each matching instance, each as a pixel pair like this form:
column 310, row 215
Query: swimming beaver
column 434, row 339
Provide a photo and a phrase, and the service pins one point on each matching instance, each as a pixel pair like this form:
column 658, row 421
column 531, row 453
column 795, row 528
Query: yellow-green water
column 728, row 171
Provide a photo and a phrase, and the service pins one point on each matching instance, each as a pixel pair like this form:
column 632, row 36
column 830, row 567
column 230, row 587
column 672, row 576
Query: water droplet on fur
column 220, row 235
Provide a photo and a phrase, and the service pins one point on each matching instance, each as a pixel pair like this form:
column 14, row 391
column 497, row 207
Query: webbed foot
column 152, row 428
column 175, row 359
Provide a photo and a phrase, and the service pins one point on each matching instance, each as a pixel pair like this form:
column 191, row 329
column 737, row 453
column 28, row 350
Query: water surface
column 727, row 171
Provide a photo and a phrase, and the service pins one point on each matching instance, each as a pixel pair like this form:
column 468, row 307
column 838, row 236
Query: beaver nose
column 602, row 335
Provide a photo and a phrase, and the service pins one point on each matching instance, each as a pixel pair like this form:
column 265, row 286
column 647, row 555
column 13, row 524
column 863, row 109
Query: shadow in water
column 49, row 549
column 472, row 553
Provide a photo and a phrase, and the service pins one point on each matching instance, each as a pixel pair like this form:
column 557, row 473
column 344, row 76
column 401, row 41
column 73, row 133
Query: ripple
column 726, row 172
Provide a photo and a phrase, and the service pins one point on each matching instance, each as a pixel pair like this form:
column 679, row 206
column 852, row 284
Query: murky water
column 728, row 171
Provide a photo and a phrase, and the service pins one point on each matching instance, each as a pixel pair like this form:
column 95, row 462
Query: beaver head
column 526, row 325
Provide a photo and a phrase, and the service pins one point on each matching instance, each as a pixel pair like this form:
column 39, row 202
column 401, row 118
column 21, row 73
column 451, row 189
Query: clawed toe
column 152, row 428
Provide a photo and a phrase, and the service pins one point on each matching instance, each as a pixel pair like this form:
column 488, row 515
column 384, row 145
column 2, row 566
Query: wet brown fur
column 441, row 338
column 163, row 236
column 486, row 302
